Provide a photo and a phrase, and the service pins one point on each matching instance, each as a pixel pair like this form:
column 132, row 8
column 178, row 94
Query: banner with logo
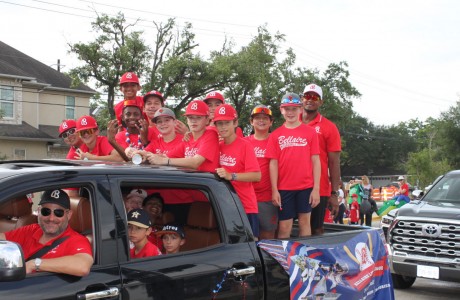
column 356, row 269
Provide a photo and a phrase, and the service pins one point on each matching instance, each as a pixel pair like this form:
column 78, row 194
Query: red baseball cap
column 66, row 125
column 155, row 94
column 86, row 122
column 214, row 95
column 129, row 77
column 354, row 195
column 225, row 112
column 197, row 108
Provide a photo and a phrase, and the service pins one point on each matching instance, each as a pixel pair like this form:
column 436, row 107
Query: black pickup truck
column 220, row 259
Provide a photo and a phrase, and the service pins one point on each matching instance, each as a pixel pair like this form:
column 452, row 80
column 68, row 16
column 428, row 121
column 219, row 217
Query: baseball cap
column 197, row 108
column 354, row 195
column 66, row 125
column 214, row 95
column 262, row 109
column 315, row 89
column 138, row 193
column 154, row 93
column 171, row 229
column 86, row 122
column 164, row 112
column 57, row 196
column 291, row 99
column 225, row 112
column 400, row 178
column 129, row 77
column 139, row 217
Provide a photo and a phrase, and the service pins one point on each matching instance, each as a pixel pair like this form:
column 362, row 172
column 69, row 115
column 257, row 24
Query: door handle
column 111, row 292
column 241, row 272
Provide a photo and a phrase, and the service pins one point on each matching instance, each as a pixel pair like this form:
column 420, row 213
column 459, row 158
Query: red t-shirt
column 329, row 141
column 207, row 146
column 159, row 146
column 262, row 188
column 102, row 148
column 134, row 139
column 405, row 187
column 290, row 146
column 28, row 237
column 155, row 239
column 72, row 153
column 239, row 157
column 354, row 211
column 149, row 249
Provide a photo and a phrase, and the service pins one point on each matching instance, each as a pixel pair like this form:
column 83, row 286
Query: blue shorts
column 293, row 203
column 254, row 222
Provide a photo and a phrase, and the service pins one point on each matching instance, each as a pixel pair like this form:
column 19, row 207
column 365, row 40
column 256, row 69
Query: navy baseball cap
column 139, row 217
column 57, row 196
column 172, row 229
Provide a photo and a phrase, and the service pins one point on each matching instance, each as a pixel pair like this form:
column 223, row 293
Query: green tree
column 116, row 50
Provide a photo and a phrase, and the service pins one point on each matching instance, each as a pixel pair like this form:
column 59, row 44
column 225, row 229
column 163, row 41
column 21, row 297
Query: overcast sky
column 403, row 56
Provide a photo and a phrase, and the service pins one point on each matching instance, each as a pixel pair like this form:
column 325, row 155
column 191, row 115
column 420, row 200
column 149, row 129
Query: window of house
column 19, row 153
column 7, row 101
column 70, row 107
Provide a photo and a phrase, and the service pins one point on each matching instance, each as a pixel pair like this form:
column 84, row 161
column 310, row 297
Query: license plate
column 428, row 272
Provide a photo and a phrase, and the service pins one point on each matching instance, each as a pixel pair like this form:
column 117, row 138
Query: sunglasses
column 68, row 133
column 261, row 110
column 291, row 101
column 86, row 131
column 45, row 211
column 311, row 96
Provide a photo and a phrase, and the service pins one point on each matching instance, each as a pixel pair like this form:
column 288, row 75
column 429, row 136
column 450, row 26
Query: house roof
column 16, row 63
column 26, row 131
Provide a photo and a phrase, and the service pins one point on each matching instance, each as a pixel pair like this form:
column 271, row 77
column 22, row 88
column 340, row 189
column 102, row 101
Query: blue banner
column 356, row 269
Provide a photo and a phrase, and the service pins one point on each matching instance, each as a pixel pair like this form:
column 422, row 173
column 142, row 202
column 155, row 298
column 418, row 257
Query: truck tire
column 402, row 282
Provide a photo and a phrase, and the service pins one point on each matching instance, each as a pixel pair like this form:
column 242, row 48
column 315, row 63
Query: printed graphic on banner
column 355, row 269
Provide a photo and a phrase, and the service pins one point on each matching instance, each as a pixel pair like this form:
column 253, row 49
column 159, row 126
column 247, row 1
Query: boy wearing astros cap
column 139, row 228
column 294, row 168
column 95, row 147
column 238, row 162
column 201, row 151
column 173, row 237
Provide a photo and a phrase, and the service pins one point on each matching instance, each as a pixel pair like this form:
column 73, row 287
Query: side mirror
column 12, row 266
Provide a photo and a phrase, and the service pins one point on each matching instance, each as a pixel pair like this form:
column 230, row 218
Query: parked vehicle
column 219, row 259
column 423, row 236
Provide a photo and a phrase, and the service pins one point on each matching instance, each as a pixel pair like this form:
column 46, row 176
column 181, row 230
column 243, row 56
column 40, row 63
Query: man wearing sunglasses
column 330, row 148
column 67, row 251
column 68, row 132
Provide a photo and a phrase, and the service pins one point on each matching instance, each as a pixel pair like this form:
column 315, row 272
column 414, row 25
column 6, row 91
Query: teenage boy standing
column 238, row 162
column 295, row 168
column 330, row 148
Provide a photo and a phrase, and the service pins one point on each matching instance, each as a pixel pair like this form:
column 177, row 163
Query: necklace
column 132, row 145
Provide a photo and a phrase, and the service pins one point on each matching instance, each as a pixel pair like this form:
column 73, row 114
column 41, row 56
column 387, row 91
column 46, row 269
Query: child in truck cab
column 173, row 238
column 139, row 228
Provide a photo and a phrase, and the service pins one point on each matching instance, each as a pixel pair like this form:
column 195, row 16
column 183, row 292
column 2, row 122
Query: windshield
column 445, row 190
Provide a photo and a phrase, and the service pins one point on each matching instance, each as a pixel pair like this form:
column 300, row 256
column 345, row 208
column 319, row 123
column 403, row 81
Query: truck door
column 215, row 261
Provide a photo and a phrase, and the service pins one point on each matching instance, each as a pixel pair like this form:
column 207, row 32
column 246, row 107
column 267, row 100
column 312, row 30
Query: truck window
column 188, row 208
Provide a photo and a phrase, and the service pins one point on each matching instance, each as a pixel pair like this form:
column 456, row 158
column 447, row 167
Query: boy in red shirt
column 294, row 168
column 214, row 100
column 139, row 228
column 238, row 162
column 201, row 151
column 354, row 210
column 95, row 147
column 129, row 86
column 261, row 120
column 68, row 132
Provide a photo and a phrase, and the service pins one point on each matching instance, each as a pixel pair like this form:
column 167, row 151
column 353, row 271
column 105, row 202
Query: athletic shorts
column 318, row 212
column 268, row 216
column 254, row 222
column 293, row 203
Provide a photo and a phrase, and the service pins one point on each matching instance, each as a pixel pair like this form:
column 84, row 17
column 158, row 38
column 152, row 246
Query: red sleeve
column 251, row 164
column 209, row 145
column 333, row 142
column 19, row 235
column 272, row 148
column 104, row 146
column 178, row 152
column 314, row 147
column 120, row 138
